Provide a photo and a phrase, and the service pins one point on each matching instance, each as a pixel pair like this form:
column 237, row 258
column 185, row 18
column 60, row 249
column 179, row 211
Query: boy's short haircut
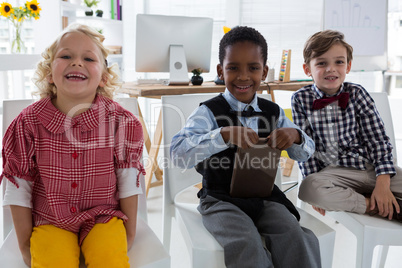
column 242, row 34
column 320, row 42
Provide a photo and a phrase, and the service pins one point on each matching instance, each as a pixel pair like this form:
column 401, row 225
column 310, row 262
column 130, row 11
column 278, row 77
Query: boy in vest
column 254, row 232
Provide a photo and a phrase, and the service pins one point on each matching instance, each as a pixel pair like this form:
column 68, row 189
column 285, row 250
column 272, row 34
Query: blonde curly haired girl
column 72, row 160
column 44, row 70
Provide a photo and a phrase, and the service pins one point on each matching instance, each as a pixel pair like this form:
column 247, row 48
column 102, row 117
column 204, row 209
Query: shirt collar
column 57, row 122
column 321, row 94
column 239, row 106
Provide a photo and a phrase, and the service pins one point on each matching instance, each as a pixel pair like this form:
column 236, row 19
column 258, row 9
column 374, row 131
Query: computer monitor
column 174, row 44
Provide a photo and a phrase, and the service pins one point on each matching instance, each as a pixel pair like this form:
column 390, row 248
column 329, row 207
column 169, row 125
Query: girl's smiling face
column 243, row 70
column 329, row 70
column 77, row 68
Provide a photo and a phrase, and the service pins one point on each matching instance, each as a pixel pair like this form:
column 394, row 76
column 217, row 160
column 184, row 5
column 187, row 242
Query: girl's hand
column 22, row 219
column 130, row 241
column 129, row 207
column 26, row 255
column 283, row 138
column 241, row 136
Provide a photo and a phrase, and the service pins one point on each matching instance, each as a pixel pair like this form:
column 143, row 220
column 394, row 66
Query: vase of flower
column 17, row 15
column 17, row 44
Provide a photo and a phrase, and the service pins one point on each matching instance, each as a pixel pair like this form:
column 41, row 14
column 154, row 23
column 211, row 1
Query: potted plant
column 90, row 4
column 197, row 79
column 99, row 13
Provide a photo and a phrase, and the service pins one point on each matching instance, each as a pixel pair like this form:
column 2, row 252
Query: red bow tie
column 341, row 98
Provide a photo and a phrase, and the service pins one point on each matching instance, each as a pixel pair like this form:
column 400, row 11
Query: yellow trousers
column 104, row 246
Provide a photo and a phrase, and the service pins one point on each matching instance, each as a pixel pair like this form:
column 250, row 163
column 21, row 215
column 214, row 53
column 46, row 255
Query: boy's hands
column 283, row 138
column 383, row 198
column 243, row 137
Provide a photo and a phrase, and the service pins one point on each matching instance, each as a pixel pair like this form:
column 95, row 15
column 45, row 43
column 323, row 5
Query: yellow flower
column 33, row 6
column 6, row 9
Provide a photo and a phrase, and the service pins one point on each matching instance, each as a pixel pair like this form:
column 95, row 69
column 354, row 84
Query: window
column 285, row 25
column 16, row 84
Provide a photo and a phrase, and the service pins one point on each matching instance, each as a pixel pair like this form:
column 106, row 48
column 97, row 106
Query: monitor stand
column 178, row 66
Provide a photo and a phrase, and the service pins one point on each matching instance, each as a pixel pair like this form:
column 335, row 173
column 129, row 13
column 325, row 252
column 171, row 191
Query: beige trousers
column 344, row 189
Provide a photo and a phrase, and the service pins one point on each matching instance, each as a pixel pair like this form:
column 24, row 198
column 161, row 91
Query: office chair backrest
column 131, row 104
column 175, row 111
column 382, row 104
column 11, row 109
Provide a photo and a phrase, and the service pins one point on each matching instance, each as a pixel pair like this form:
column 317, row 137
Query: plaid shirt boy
column 350, row 137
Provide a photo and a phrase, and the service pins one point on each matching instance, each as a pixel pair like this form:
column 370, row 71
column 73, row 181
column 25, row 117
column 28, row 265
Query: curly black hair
column 241, row 34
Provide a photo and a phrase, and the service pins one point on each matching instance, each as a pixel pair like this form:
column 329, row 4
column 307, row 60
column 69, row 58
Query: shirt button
column 74, row 185
column 75, row 155
column 73, row 209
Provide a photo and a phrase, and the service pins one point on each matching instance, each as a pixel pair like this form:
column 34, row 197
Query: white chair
column 373, row 231
column 11, row 109
column 180, row 201
column 147, row 251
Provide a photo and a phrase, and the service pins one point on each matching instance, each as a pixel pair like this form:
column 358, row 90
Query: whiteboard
column 364, row 24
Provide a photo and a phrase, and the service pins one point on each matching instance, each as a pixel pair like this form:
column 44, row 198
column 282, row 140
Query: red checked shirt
column 72, row 161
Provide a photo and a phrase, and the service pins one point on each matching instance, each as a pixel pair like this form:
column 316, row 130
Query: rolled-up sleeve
column 18, row 196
